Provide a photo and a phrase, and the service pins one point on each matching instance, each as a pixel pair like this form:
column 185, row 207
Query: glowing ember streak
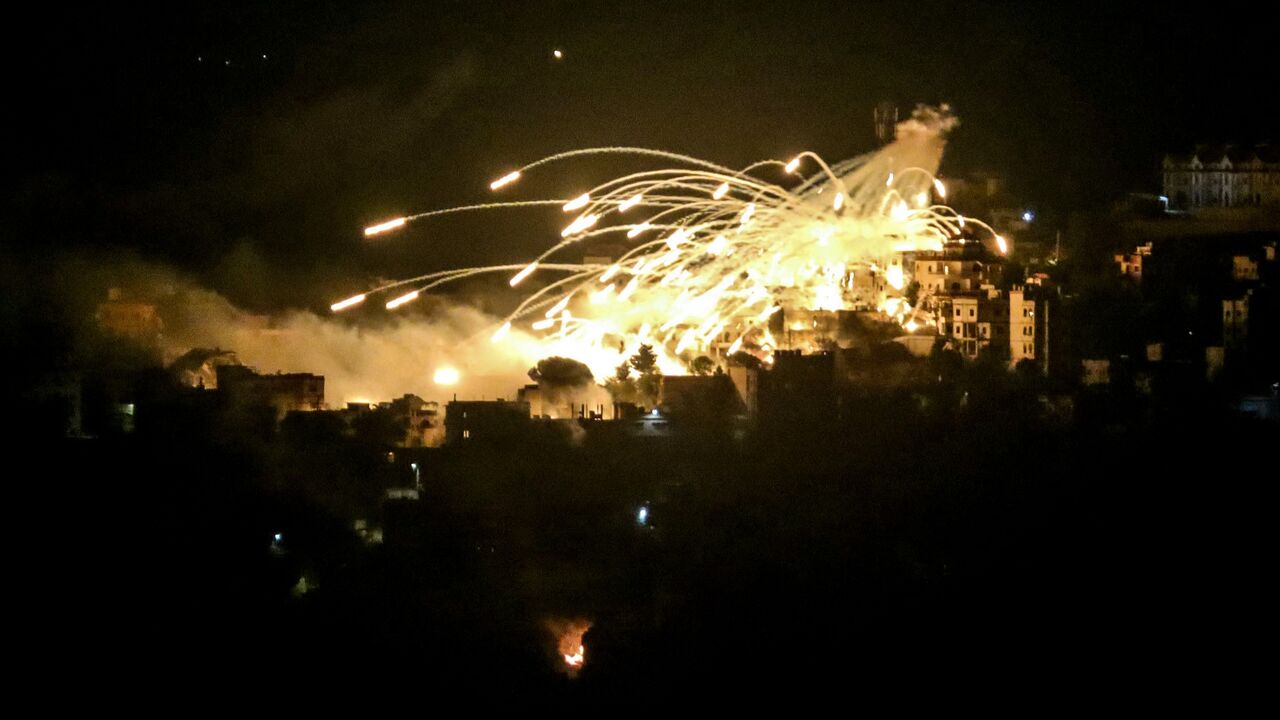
column 502, row 332
column 446, row 376
column 543, row 324
column 580, row 225
column 940, row 188
column 601, row 295
column 340, row 306
column 888, row 182
column 1004, row 246
column 630, row 202
column 505, row 180
column 555, row 309
column 721, row 191
column 735, row 347
column 578, row 202
column 746, row 214
column 793, row 165
column 626, row 291
column 520, row 276
column 406, row 298
column 387, row 226
column 838, row 202
column 611, row 272
column 638, row 229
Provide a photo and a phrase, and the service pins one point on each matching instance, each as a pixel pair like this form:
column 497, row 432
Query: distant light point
column 557, row 54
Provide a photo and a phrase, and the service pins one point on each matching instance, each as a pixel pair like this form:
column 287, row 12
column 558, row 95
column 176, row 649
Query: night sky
column 248, row 143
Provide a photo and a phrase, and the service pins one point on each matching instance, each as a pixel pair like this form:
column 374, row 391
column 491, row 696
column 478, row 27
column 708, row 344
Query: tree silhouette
column 702, row 365
column 645, row 361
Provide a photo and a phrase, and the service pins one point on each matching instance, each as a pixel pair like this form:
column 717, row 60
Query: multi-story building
column 1028, row 328
column 976, row 321
column 485, row 421
column 1131, row 263
column 242, row 387
column 1013, row 325
column 1223, row 176
column 1235, row 321
column 957, row 268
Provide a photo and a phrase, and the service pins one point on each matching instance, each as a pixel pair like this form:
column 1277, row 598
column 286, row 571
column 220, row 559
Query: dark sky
column 167, row 131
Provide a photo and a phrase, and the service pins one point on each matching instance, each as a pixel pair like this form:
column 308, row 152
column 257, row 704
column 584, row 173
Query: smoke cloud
column 398, row 355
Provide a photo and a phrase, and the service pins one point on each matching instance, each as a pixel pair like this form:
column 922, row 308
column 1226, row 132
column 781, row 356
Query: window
column 466, row 434
column 971, row 313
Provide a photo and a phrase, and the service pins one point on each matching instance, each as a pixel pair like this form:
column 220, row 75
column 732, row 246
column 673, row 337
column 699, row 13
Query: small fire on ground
column 568, row 637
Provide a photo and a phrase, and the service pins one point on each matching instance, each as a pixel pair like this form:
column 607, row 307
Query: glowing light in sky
column 387, row 226
column 446, row 376
column 505, row 180
column 406, row 298
column 344, row 304
column 520, row 276
column 578, row 202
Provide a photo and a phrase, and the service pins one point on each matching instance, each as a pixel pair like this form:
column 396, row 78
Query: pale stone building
column 1223, row 176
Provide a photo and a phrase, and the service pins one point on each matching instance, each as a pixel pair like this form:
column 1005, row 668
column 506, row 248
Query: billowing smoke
column 401, row 354
column 440, row 350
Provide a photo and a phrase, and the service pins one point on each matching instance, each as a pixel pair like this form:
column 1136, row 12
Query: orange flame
column 569, row 645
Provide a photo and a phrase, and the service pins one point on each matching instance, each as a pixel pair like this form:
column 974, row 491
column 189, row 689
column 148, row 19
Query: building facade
column 1223, row 176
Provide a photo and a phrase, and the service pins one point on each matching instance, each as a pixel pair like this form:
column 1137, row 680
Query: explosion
column 715, row 253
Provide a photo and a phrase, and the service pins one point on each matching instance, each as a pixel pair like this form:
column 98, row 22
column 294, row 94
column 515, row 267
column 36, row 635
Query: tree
column 561, row 372
column 621, row 387
column 649, row 382
column 702, row 365
column 645, row 361
column 912, row 293
column 745, row 359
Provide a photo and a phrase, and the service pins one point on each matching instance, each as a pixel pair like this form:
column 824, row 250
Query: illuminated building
column 1028, row 328
column 1223, row 176
column 1131, row 263
column 958, row 267
column 976, row 321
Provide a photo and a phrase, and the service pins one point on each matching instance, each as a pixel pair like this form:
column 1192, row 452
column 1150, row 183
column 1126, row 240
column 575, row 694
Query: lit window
column 466, row 434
